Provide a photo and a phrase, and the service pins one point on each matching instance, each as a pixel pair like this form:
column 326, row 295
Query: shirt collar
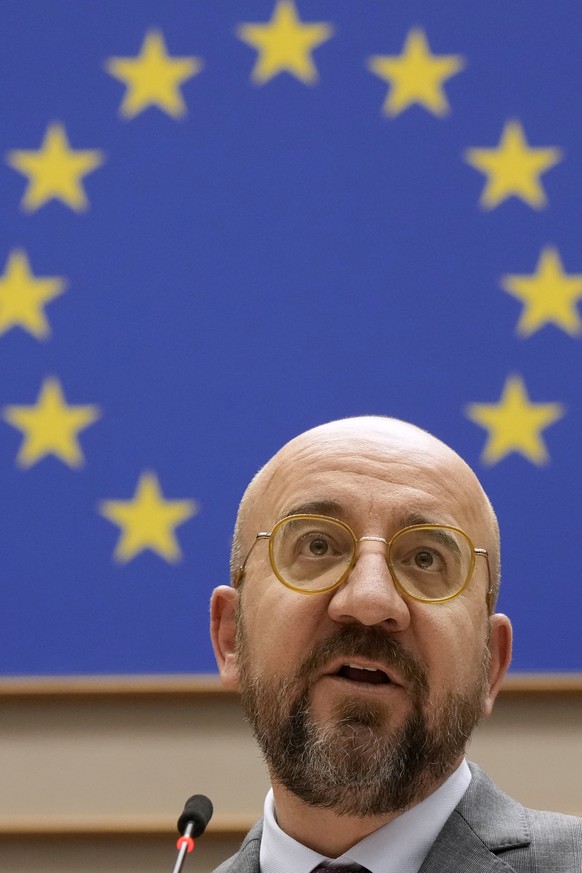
column 397, row 847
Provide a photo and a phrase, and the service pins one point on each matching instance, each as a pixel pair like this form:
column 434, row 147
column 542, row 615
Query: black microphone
column 198, row 810
column 191, row 824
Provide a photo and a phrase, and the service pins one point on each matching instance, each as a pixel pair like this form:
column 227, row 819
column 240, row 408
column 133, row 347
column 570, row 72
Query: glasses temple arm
column 485, row 554
column 240, row 573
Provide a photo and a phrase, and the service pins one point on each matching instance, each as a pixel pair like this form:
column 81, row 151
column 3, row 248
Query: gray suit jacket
column 488, row 832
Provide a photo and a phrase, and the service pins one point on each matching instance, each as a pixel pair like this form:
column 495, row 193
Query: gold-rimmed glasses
column 312, row 554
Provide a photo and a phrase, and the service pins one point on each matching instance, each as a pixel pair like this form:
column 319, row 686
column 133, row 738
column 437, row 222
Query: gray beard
column 353, row 765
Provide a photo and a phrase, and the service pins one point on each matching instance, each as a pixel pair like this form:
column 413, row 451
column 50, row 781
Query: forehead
column 388, row 475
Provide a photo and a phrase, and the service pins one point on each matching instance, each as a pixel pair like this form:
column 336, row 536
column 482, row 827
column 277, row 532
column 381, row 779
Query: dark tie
column 352, row 868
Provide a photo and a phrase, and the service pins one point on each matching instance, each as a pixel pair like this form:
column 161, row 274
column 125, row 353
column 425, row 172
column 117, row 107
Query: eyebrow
column 333, row 508
column 412, row 518
column 317, row 507
column 444, row 536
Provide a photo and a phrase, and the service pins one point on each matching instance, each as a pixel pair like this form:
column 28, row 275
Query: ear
column 500, row 648
column 223, row 634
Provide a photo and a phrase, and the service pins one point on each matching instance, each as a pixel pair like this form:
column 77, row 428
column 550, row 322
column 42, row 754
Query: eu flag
column 224, row 223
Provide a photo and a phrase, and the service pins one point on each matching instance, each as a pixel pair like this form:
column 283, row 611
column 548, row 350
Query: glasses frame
column 268, row 535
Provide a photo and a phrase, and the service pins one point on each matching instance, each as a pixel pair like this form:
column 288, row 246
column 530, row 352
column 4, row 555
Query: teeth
column 357, row 667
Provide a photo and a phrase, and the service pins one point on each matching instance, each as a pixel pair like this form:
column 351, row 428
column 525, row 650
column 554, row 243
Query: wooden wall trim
column 542, row 683
column 112, row 686
column 517, row 684
column 106, row 827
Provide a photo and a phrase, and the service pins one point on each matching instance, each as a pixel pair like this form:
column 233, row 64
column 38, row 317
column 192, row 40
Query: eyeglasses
column 313, row 554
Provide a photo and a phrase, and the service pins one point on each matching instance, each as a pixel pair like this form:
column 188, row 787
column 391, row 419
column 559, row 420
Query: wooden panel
column 210, row 686
column 116, row 758
column 100, row 773
column 146, row 854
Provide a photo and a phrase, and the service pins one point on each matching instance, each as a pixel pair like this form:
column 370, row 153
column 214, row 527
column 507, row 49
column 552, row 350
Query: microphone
column 198, row 810
column 191, row 824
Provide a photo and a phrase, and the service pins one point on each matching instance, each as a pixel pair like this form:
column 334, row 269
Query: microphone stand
column 185, row 845
column 192, row 823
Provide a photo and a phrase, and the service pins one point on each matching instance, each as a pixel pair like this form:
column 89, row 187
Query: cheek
column 452, row 645
column 280, row 626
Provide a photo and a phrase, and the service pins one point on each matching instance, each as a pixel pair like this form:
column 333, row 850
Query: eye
column 311, row 544
column 318, row 546
column 422, row 551
column 425, row 560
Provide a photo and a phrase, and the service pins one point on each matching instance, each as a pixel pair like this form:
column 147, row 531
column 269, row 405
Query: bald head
column 384, row 452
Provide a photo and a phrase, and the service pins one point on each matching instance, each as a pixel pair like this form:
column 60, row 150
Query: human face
column 352, row 764
column 293, row 649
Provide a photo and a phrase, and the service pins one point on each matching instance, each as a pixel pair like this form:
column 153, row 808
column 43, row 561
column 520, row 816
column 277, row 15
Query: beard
column 352, row 763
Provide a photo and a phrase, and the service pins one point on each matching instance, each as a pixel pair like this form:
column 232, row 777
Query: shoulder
column 555, row 843
column 529, row 840
column 246, row 859
column 553, row 836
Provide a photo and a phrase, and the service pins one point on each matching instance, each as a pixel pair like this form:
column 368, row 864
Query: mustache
column 352, row 641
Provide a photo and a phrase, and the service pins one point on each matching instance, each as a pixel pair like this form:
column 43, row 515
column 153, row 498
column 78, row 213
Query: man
column 360, row 632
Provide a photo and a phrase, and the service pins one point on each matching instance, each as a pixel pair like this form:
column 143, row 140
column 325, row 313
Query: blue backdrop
column 222, row 223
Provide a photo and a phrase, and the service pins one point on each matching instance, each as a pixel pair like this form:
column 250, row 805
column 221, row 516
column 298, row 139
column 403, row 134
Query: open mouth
column 366, row 675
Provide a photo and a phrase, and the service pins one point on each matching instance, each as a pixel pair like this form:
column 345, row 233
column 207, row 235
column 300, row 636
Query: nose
column 369, row 595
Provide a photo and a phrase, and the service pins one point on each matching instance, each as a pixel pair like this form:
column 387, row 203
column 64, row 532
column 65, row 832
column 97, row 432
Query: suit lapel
column 486, row 822
column 247, row 858
column 458, row 849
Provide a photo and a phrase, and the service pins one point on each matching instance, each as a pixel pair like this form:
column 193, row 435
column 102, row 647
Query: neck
column 323, row 830
column 326, row 832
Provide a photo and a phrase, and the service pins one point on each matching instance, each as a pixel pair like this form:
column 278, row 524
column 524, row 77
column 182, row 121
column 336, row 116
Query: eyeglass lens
column 312, row 554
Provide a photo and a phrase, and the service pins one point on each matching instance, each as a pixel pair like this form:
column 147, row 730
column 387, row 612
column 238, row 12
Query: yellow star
column 22, row 296
column 148, row 521
column 55, row 171
column 153, row 78
column 285, row 44
column 550, row 295
column 513, row 168
column 51, row 427
column 416, row 76
column 515, row 424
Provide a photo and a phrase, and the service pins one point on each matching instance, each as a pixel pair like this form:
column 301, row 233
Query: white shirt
column 397, row 847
